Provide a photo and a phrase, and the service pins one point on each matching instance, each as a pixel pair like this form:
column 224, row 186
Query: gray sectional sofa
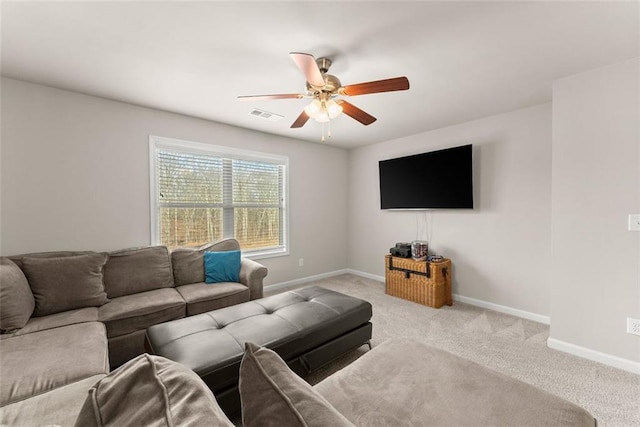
column 68, row 318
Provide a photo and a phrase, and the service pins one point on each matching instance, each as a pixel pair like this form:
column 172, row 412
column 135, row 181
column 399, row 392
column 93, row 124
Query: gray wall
column 75, row 175
column 596, row 184
column 500, row 249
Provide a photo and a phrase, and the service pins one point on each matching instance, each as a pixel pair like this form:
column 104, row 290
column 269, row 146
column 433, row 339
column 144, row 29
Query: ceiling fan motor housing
column 331, row 85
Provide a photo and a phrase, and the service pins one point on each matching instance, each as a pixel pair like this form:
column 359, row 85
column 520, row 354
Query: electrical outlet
column 301, row 262
column 633, row 326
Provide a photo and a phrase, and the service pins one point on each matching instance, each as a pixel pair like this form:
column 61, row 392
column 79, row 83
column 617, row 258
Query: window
column 203, row 193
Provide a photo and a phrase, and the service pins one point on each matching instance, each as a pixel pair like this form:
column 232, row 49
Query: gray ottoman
column 308, row 328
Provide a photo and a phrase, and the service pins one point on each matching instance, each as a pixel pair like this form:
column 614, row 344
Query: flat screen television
column 440, row 179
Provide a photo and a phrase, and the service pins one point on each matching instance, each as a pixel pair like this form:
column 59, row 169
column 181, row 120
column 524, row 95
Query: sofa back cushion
column 66, row 283
column 188, row 263
column 131, row 271
column 57, row 254
column 151, row 391
column 16, row 300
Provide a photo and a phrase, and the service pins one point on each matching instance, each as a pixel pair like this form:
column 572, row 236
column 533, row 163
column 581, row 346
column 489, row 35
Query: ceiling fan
column 324, row 88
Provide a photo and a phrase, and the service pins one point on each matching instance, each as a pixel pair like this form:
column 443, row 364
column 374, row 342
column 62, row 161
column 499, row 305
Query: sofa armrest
column 252, row 275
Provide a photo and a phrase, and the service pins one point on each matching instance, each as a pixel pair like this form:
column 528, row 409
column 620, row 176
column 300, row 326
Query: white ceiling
column 464, row 60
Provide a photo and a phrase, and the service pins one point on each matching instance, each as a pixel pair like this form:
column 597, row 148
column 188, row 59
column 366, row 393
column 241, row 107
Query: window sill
column 271, row 253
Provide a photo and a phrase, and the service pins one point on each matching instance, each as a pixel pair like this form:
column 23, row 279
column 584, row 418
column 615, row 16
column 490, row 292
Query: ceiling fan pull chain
column 322, row 140
column 329, row 129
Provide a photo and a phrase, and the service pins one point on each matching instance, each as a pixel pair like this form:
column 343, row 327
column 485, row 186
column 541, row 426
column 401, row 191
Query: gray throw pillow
column 151, row 391
column 66, row 283
column 16, row 299
column 272, row 394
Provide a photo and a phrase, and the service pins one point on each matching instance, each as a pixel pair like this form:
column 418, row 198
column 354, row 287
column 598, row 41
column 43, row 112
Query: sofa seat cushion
column 402, row 382
column 135, row 312
column 16, row 299
column 36, row 363
column 57, row 320
column 151, row 391
column 203, row 297
column 131, row 271
column 59, row 407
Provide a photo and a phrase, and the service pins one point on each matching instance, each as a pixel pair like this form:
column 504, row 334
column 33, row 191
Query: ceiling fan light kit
column 324, row 87
column 322, row 111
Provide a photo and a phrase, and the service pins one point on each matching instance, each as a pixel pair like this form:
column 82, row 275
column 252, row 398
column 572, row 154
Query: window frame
column 159, row 142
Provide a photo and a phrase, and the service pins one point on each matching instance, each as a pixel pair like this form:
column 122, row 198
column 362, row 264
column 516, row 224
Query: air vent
column 272, row 117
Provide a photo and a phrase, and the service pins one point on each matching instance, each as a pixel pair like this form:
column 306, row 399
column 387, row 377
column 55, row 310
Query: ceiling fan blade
column 267, row 97
column 301, row 120
column 387, row 85
column 356, row 113
column 308, row 66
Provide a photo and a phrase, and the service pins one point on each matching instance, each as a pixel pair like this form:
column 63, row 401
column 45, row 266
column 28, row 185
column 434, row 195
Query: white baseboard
column 366, row 275
column 504, row 309
column 596, row 356
column 307, row 279
column 476, row 302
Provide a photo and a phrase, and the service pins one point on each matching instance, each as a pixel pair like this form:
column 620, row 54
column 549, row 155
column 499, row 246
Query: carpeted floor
column 508, row 344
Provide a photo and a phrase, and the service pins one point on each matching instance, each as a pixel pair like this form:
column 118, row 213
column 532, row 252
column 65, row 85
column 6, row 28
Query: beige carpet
column 508, row 344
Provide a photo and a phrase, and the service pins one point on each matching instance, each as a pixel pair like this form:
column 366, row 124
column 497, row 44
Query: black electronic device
column 440, row 179
column 401, row 250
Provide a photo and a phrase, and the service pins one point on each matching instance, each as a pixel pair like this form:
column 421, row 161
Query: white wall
column 75, row 176
column 596, row 184
column 501, row 249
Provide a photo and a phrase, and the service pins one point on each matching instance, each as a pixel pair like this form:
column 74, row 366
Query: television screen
column 436, row 180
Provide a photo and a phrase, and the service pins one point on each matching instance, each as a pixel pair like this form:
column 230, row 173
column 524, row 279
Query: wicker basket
column 403, row 279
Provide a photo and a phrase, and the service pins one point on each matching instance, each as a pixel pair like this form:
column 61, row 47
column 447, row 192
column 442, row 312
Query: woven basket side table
column 427, row 283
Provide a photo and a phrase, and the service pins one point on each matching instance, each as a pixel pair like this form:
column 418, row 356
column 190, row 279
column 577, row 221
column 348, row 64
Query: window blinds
column 204, row 197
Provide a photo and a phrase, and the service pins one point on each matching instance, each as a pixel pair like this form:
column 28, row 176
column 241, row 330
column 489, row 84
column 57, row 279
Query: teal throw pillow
column 222, row 266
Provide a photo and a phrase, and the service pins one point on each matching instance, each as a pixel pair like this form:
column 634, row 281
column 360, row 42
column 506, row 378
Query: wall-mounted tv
column 440, row 179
